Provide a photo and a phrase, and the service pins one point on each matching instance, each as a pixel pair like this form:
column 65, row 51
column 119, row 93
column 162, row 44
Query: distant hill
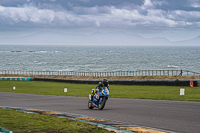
column 97, row 38
column 190, row 42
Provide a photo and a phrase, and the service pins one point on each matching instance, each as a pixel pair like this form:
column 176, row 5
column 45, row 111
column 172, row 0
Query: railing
column 103, row 74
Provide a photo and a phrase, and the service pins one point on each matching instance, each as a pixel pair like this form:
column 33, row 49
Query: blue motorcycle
column 99, row 99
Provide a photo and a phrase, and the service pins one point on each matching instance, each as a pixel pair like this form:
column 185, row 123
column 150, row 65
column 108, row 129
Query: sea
column 98, row 58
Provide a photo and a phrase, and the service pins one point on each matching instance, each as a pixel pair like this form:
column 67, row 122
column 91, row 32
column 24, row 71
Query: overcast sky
column 173, row 19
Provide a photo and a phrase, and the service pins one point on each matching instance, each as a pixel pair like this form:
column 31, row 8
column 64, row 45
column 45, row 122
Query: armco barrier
column 127, row 82
column 17, row 78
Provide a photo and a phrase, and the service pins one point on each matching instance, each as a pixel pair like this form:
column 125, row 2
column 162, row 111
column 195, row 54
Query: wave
column 42, row 51
column 171, row 66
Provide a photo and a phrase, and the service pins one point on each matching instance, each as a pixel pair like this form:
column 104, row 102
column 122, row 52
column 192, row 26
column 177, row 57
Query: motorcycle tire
column 90, row 105
column 102, row 104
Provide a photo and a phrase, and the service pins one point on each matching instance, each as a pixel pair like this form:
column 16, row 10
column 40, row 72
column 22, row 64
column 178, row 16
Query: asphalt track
column 175, row 116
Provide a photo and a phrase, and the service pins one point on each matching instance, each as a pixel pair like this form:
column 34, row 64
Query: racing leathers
column 98, row 87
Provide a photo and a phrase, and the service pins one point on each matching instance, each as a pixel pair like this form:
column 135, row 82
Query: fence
column 104, row 74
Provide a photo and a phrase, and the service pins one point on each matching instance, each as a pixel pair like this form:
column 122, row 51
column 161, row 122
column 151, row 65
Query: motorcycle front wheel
column 90, row 104
column 102, row 104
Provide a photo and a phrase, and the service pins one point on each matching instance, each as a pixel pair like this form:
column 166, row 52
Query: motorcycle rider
column 101, row 84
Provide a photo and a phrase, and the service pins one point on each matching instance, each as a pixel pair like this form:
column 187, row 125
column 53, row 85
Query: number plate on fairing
column 96, row 96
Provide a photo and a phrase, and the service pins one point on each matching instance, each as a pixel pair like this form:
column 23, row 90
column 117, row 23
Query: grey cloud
column 91, row 10
column 148, row 14
column 13, row 3
column 169, row 4
column 41, row 17
column 84, row 3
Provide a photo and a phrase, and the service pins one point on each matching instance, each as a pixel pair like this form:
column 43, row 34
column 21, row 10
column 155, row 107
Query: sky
column 174, row 19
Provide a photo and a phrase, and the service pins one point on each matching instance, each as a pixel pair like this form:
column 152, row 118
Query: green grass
column 20, row 122
column 157, row 92
column 117, row 91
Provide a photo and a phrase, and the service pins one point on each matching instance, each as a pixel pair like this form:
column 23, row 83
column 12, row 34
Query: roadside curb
column 116, row 126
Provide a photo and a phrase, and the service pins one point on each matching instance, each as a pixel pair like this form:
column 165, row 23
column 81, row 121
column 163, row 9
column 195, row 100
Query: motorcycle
column 99, row 99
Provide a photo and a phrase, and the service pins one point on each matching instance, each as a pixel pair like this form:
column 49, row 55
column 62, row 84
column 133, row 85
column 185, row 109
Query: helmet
column 105, row 82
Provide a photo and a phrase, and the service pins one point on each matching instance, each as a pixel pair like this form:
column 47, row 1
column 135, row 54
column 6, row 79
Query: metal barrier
column 103, row 74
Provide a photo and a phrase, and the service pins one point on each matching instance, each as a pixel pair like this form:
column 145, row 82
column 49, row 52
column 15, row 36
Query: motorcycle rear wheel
column 102, row 104
column 90, row 105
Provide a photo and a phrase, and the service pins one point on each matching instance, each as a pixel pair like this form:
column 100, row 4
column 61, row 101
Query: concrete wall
column 128, row 82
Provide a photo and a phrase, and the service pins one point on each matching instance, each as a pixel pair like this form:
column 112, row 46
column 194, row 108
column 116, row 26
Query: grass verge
column 117, row 91
column 20, row 122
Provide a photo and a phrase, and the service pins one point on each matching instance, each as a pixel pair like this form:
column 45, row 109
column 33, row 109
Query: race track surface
column 175, row 116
